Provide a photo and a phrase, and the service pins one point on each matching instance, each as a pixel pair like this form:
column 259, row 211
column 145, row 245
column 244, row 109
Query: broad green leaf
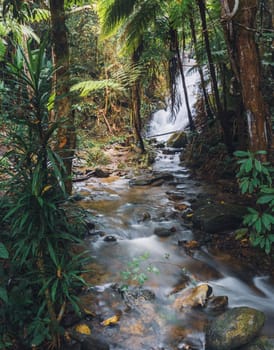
column 4, row 254
column 248, row 165
column 258, row 165
column 266, row 222
column 244, row 186
column 4, row 294
column 241, row 154
column 265, row 199
column 258, row 225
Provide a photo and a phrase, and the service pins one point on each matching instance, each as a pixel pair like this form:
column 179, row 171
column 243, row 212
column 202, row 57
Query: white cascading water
column 161, row 122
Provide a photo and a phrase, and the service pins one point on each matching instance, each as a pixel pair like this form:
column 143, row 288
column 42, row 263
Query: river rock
column 261, row 343
column 213, row 218
column 164, row 231
column 177, row 140
column 217, row 304
column 93, row 343
column 175, row 195
column 150, row 180
column 234, row 328
column 193, row 297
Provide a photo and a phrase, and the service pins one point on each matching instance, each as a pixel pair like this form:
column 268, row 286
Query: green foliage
column 43, row 274
column 137, row 270
column 256, row 178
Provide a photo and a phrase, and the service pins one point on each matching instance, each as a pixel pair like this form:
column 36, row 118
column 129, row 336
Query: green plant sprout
column 256, row 179
column 137, row 270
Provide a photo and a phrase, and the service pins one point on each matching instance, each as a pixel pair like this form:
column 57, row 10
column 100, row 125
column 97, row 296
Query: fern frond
column 139, row 22
column 40, row 15
column 113, row 12
column 86, row 87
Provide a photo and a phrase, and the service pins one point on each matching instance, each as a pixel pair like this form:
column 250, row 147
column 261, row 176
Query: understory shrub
column 41, row 274
column 255, row 179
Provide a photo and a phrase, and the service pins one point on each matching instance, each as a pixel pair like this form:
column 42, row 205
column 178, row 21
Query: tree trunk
column 240, row 33
column 136, row 102
column 224, row 122
column 203, row 84
column 66, row 132
column 202, row 10
column 180, row 64
column 136, row 115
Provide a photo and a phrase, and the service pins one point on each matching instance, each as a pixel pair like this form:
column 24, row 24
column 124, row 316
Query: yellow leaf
column 88, row 312
column 46, row 188
column 83, row 329
column 222, row 202
column 110, row 321
column 189, row 215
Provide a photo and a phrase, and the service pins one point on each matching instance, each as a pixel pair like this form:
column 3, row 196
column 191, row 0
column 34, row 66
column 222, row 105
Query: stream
column 127, row 221
column 126, row 218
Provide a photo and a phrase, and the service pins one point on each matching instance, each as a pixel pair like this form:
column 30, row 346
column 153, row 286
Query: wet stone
column 217, row 304
column 261, row 343
column 193, row 297
column 92, row 343
column 164, row 232
column 175, row 195
column 234, row 328
column 110, row 238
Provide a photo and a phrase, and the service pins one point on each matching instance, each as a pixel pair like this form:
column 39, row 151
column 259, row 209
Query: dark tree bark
column 203, row 84
column 239, row 26
column 174, row 38
column 136, row 103
column 66, row 132
column 221, row 116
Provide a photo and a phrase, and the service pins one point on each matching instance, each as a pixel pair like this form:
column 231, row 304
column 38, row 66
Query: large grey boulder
column 213, row 218
column 234, row 328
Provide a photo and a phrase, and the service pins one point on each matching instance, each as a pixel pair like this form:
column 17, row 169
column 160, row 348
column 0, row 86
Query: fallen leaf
column 83, row 329
column 111, row 321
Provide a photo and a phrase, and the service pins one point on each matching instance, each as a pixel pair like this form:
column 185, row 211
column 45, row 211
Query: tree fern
column 89, row 86
column 113, row 12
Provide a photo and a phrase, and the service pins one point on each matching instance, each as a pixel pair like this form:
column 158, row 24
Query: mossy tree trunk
column 240, row 29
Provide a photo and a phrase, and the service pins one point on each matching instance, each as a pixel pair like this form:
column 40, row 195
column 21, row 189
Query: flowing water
column 126, row 219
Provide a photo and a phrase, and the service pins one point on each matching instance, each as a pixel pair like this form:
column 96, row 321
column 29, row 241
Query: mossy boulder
column 234, row 328
column 261, row 343
column 177, row 140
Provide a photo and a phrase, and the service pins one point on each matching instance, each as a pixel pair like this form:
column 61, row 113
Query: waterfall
column 161, row 121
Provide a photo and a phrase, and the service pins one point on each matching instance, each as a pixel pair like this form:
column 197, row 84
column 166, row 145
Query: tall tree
column 239, row 18
column 66, row 133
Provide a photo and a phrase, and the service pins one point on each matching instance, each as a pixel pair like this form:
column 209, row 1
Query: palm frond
column 113, row 12
column 139, row 22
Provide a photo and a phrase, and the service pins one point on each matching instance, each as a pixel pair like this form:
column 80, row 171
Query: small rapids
column 126, row 220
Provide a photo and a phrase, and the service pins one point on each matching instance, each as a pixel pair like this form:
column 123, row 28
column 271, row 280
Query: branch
column 230, row 14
